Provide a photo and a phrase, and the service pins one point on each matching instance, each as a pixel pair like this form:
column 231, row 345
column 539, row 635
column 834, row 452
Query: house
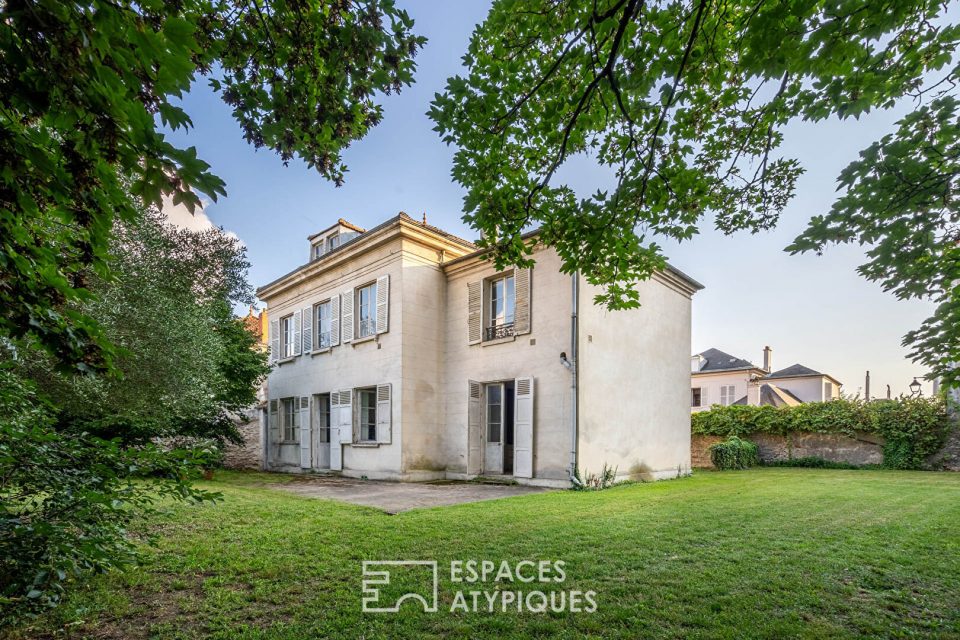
column 716, row 377
column 401, row 353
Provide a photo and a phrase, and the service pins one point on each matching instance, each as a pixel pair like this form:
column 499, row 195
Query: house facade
column 401, row 353
column 718, row 378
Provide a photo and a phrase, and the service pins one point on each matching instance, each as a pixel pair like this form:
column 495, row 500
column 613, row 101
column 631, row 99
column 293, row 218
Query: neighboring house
column 401, row 353
column 717, row 377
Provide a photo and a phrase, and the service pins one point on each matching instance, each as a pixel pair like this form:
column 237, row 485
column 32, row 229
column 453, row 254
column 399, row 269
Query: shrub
column 816, row 462
column 67, row 499
column 734, row 453
column 913, row 428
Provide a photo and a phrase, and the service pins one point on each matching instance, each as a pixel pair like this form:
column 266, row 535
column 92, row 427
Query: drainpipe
column 575, row 362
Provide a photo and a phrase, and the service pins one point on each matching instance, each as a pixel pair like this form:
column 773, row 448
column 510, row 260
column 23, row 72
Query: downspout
column 575, row 362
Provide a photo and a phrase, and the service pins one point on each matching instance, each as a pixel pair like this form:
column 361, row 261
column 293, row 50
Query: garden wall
column 249, row 454
column 863, row 449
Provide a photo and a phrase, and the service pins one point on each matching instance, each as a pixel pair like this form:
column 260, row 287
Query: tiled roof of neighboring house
column 252, row 324
column 799, row 371
column 774, row 396
column 794, row 371
column 716, row 360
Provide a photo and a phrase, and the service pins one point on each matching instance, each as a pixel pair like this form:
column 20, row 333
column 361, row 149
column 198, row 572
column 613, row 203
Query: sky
column 813, row 310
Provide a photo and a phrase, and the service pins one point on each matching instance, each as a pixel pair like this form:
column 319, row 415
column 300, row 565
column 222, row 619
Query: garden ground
column 770, row 553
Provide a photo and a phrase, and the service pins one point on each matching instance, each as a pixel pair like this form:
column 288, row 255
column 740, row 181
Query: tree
column 84, row 87
column 685, row 103
column 184, row 364
column 81, row 455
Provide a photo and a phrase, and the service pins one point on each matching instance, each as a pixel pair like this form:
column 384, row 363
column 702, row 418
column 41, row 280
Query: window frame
column 287, row 334
column 315, row 320
column 696, row 393
column 358, row 311
column 289, row 424
column 499, row 325
column 324, row 410
column 500, row 411
column 371, row 427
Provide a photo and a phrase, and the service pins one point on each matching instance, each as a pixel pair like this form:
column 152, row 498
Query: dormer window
column 333, row 241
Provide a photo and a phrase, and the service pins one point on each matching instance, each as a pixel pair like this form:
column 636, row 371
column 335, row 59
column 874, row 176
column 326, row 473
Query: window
column 367, row 403
column 323, row 317
column 323, row 417
column 728, row 394
column 828, row 391
column 289, row 419
column 318, row 250
column 333, row 241
column 501, row 307
column 287, row 337
column 695, row 397
column 494, row 412
column 367, row 310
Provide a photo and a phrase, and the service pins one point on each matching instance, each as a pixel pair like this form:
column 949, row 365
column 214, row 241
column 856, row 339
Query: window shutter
column 521, row 321
column 346, row 416
column 474, row 311
column 383, row 303
column 703, row 397
column 346, row 316
column 274, row 340
column 305, row 432
column 336, row 449
column 523, row 428
column 273, row 422
column 334, row 321
column 296, row 333
column 474, row 430
column 307, row 331
column 384, row 417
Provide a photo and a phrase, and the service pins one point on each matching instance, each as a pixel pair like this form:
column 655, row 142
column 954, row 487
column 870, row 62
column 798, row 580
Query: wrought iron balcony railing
column 498, row 331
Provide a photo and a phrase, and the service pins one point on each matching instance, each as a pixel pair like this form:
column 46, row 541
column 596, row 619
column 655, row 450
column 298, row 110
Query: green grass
column 767, row 553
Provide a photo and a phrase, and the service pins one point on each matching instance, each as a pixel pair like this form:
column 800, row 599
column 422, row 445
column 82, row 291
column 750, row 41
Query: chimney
column 767, row 357
column 888, row 392
column 866, row 388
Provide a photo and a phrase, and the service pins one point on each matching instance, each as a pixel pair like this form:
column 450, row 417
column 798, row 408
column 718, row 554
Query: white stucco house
column 719, row 378
column 400, row 353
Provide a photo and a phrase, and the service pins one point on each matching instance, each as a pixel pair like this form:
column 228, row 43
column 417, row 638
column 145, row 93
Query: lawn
column 769, row 553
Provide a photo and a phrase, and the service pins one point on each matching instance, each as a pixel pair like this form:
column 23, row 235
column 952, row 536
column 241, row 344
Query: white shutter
column 305, row 446
column 346, row 316
column 703, row 397
column 334, row 321
column 307, row 331
column 521, row 320
column 273, row 422
column 296, row 333
column 474, row 312
column 523, row 428
column 336, row 449
column 383, row 303
column 274, row 340
column 345, row 419
column 474, row 427
column 384, row 415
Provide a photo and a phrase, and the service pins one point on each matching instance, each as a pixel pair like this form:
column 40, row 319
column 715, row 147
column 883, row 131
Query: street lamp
column 915, row 388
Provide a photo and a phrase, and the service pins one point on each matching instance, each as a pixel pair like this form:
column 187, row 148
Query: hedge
column 912, row 428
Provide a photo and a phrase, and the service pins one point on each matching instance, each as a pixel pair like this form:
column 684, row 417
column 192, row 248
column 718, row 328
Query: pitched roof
column 773, row 395
column 794, row 371
column 716, row 360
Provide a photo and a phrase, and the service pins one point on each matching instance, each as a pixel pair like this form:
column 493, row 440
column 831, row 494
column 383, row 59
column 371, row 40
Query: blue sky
column 813, row 310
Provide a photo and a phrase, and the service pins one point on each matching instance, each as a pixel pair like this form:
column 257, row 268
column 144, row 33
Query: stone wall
column 248, row 455
column 863, row 449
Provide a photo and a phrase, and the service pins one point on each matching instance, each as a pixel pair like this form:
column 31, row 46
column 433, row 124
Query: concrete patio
column 394, row 497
